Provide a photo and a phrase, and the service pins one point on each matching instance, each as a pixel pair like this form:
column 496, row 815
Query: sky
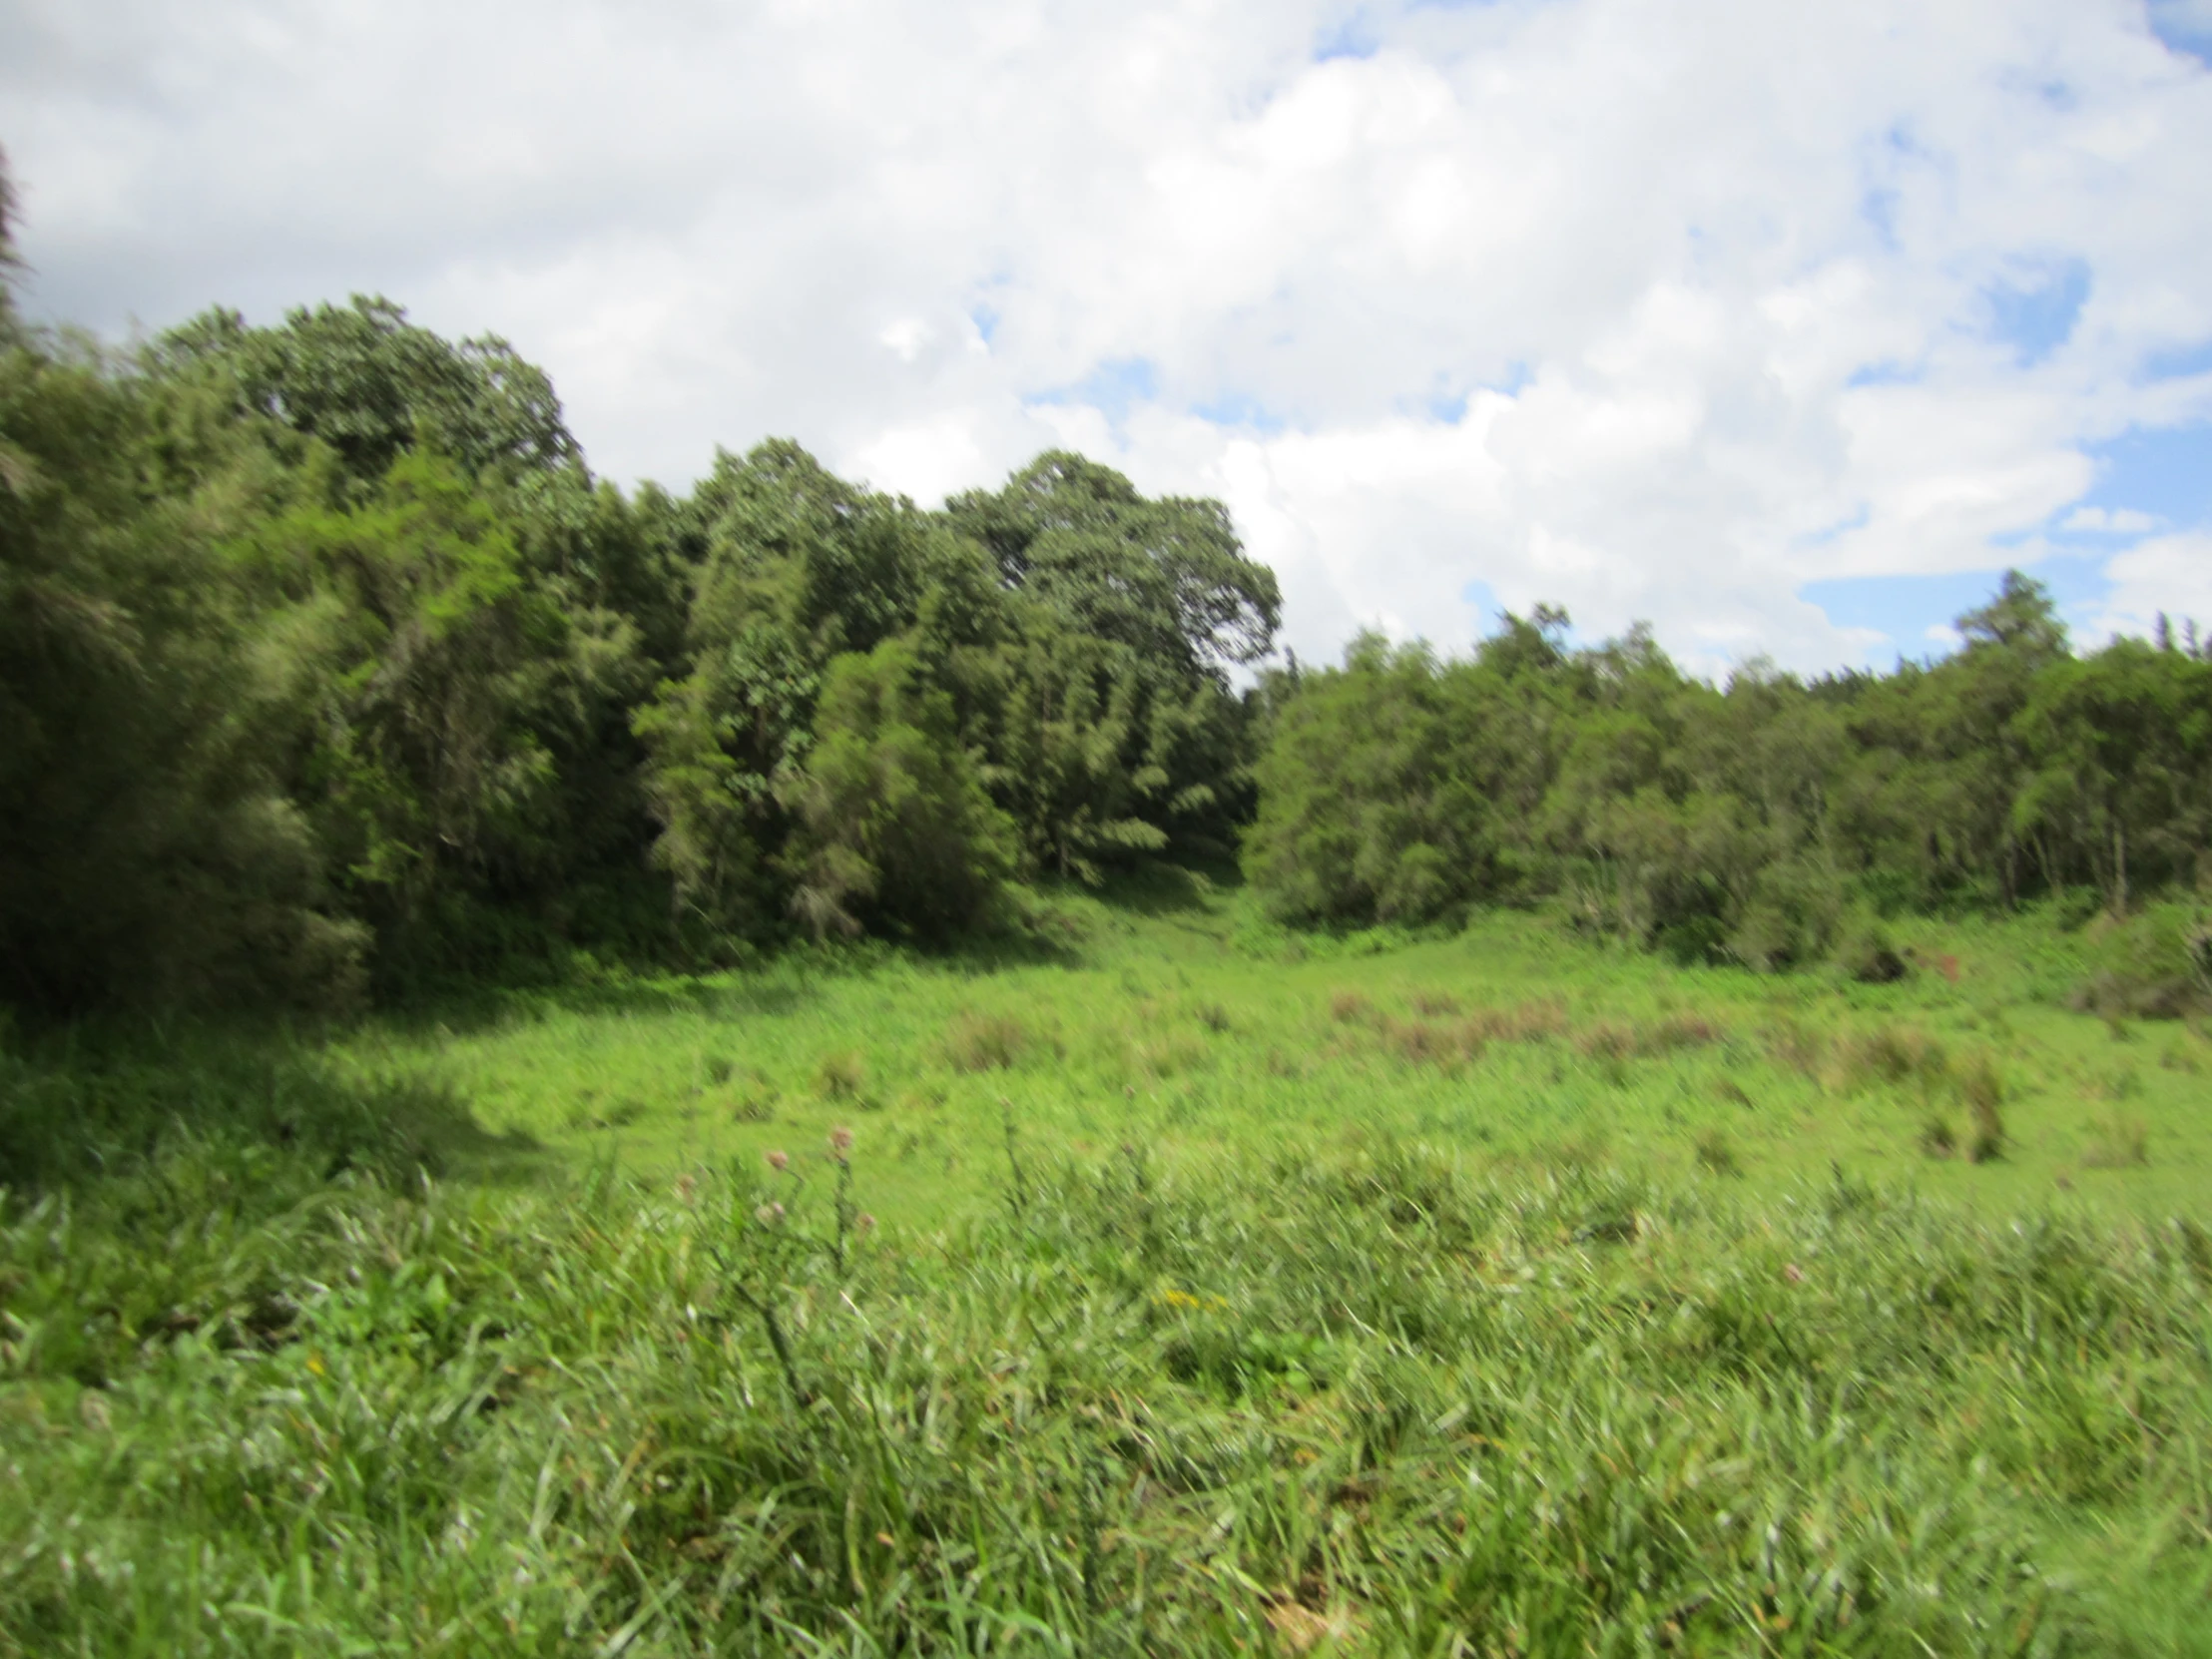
column 1784, row 327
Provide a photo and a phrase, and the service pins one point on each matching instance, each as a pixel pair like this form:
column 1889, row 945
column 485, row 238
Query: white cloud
column 1574, row 298
column 2110, row 521
column 2170, row 575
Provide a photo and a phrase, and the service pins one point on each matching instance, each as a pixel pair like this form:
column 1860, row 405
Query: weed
column 1893, row 1055
column 1677, row 1031
column 1419, row 1043
column 1732, row 1091
column 1167, row 1055
column 1350, row 1009
column 1794, row 1046
column 1938, row 1139
column 1527, row 1023
column 717, row 1069
column 2117, row 1141
column 1717, row 1154
column 1214, row 1017
column 1436, row 1004
column 985, row 1042
column 756, row 1102
column 1982, row 1090
column 841, row 1076
column 1608, row 1041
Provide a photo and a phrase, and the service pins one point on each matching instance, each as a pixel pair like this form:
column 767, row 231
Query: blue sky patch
column 1110, row 388
column 1904, row 608
column 2164, row 471
column 1879, row 207
column 2183, row 27
column 2178, row 365
column 1355, row 37
column 2036, row 316
column 1886, row 374
column 1238, row 409
column 1843, row 526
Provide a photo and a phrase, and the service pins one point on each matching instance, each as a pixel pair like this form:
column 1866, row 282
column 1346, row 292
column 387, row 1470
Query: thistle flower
column 841, row 1141
column 779, row 1161
column 768, row 1214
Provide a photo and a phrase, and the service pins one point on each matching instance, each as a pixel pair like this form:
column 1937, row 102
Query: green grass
column 1187, row 1026
column 1186, row 1288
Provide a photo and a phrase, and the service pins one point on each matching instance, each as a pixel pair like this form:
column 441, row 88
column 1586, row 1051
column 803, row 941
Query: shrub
column 1867, row 955
column 2155, row 965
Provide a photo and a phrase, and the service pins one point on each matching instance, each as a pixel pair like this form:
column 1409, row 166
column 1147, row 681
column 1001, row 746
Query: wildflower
column 1794, row 1274
column 686, row 1184
column 864, row 1224
column 841, row 1141
column 779, row 1161
column 768, row 1214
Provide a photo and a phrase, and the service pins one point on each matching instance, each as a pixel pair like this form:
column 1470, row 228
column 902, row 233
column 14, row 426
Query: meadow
column 1174, row 1017
column 1162, row 1282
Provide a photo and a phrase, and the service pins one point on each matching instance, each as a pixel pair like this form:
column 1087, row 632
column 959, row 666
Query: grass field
column 1176, row 1020
column 1169, row 1284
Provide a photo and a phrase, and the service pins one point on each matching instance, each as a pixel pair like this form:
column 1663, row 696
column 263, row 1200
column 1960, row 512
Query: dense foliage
column 1773, row 822
column 327, row 663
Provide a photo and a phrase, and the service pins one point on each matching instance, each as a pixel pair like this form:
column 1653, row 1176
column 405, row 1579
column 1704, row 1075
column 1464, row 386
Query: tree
column 147, row 854
column 372, row 385
column 1167, row 578
column 896, row 831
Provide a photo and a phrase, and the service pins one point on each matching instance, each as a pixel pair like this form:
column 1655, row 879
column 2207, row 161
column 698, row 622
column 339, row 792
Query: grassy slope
column 1292, row 1322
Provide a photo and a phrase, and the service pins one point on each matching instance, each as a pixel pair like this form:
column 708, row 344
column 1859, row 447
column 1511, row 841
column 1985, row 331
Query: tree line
column 1771, row 821
column 328, row 670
